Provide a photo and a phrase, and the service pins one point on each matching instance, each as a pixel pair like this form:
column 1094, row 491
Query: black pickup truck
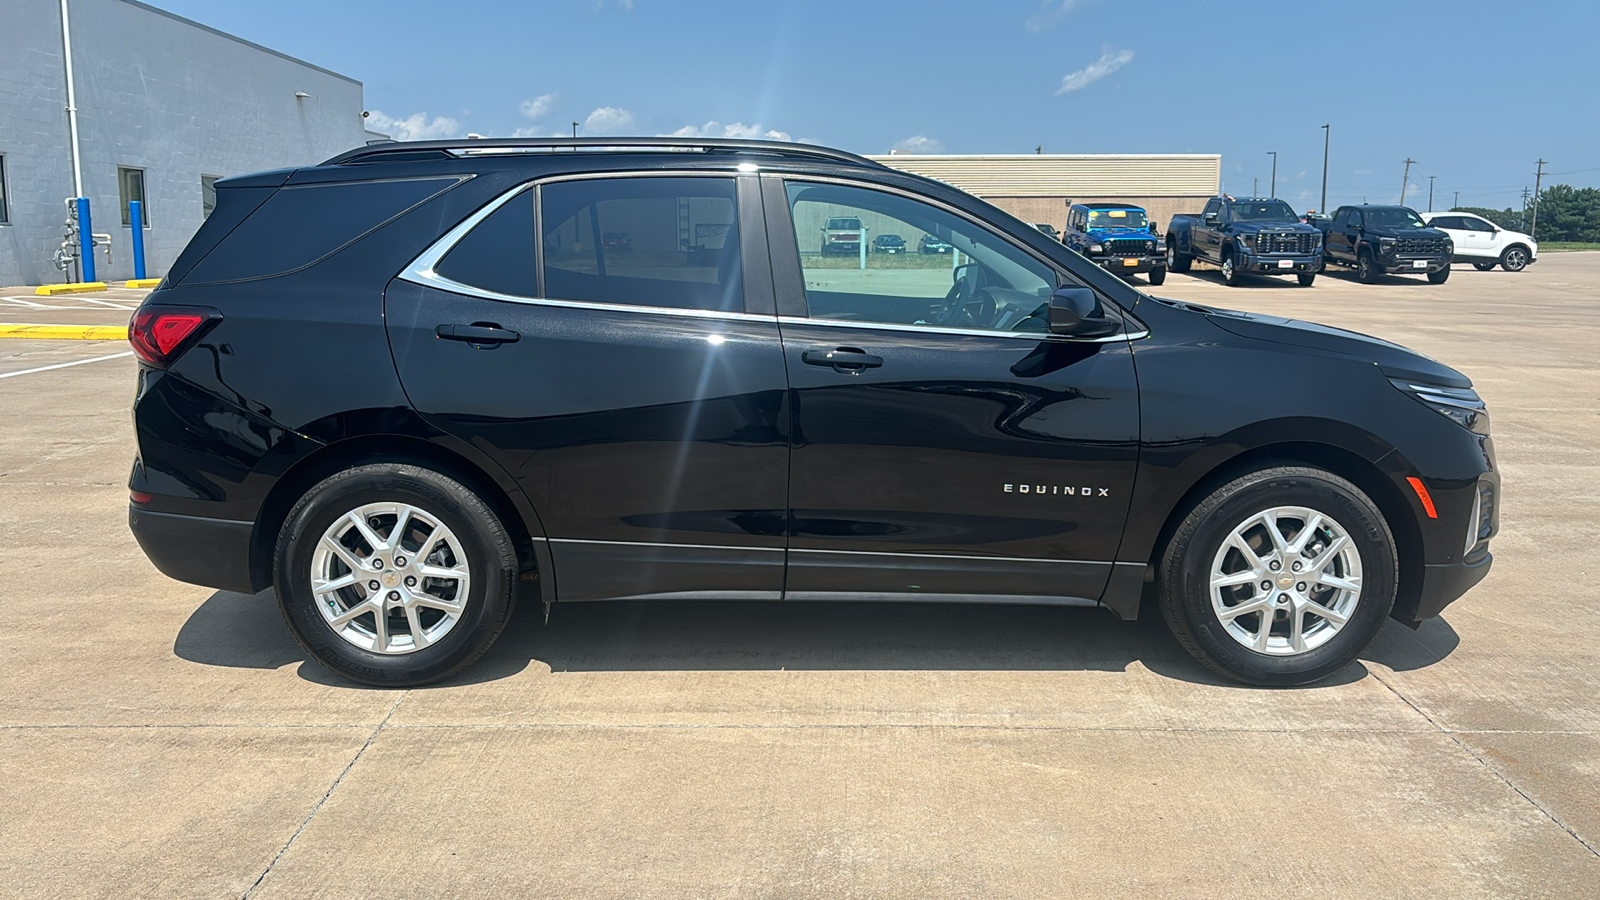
column 1378, row 240
column 1256, row 236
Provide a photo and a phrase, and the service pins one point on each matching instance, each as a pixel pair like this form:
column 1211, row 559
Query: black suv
column 402, row 385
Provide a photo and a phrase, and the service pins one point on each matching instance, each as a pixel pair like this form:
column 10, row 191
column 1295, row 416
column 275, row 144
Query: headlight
column 1096, row 248
column 1161, row 245
column 1460, row 405
column 1385, row 245
column 1248, row 239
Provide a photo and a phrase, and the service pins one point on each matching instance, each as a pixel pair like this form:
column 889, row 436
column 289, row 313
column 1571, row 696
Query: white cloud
column 608, row 120
column 624, row 5
column 1108, row 63
column 538, row 106
column 919, row 143
column 415, row 127
column 734, row 130
column 1051, row 12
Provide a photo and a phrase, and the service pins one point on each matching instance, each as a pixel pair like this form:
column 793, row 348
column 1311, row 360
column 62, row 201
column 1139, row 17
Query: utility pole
column 1325, row 134
column 1457, row 204
column 1537, row 179
column 1274, row 172
column 574, row 129
column 1523, row 221
column 1430, row 193
column 1255, row 187
column 1405, row 180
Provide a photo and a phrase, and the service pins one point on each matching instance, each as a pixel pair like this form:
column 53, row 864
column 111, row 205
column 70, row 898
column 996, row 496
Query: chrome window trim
column 1128, row 317
column 423, row 270
column 970, row 332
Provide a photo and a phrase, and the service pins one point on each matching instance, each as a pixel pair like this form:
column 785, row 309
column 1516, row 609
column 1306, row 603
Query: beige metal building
column 1039, row 188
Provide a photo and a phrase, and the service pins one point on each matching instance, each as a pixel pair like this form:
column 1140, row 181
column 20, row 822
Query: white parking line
column 65, row 365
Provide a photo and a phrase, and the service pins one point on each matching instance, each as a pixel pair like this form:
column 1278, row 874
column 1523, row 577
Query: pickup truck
column 1256, row 236
column 1118, row 238
column 1375, row 240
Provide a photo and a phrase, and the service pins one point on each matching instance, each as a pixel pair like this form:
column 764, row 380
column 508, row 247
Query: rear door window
column 669, row 242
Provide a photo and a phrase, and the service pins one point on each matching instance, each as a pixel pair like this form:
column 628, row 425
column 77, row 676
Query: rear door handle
column 478, row 334
column 842, row 359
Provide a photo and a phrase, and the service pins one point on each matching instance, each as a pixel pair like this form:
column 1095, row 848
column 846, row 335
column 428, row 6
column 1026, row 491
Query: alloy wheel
column 1516, row 260
column 390, row 578
column 1285, row 581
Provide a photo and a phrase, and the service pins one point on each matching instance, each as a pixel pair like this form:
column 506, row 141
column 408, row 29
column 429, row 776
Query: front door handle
column 842, row 359
column 478, row 335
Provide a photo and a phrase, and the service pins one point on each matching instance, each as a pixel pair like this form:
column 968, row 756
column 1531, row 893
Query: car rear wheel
column 1176, row 261
column 1515, row 259
column 1157, row 277
column 1306, row 279
column 1484, row 266
column 1367, row 271
column 394, row 575
column 1439, row 277
column 1279, row 577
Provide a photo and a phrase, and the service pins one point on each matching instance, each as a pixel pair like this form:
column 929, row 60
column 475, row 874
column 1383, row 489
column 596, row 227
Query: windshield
column 1118, row 218
column 844, row 224
column 1263, row 211
column 1394, row 218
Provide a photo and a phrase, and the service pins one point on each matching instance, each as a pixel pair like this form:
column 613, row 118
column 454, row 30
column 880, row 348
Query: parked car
column 888, row 243
column 617, row 240
column 484, row 407
column 1375, row 240
column 1117, row 237
column 1256, row 236
column 1048, row 230
column 1484, row 244
column 931, row 244
column 841, row 236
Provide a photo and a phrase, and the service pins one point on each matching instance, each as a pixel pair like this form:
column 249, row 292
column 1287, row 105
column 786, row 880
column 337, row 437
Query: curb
column 142, row 283
column 65, row 332
column 78, row 287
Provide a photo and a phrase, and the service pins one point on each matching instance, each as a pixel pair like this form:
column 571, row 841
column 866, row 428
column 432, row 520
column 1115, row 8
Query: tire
column 1367, row 271
column 472, row 554
column 1231, row 276
column 1306, row 279
column 1515, row 259
column 1439, row 277
column 1484, row 266
column 1176, row 260
column 1229, row 643
column 1157, row 277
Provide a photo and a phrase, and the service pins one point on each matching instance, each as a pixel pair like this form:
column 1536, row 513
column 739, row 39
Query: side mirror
column 1209, row 218
column 1077, row 312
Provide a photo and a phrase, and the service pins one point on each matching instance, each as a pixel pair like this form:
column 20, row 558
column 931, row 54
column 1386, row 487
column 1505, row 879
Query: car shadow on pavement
column 245, row 631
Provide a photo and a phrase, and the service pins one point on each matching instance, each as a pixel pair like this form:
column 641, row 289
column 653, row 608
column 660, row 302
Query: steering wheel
column 969, row 302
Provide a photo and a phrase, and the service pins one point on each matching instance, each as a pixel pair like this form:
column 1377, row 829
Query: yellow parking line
column 77, row 287
column 65, row 332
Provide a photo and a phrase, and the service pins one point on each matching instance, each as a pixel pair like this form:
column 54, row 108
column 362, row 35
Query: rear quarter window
column 302, row 224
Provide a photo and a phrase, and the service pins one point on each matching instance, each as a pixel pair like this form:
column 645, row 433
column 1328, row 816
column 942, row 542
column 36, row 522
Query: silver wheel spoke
column 1244, row 609
column 1317, row 609
column 1262, row 634
column 449, row 606
column 344, row 554
column 1238, row 542
column 1237, row 578
column 1297, row 636
column 441, row 572
column 1344, row 584
column 401, row 519
column 1279, row 543
column 345, row 617
column 380, row 628
column 418, row 636
column 1305, row 535
column 360, row 522
column 322, row 587
column 1328, row 553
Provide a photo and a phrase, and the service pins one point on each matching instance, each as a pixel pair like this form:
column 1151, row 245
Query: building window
column 208, row 195
column 130, row 187
column 5, row 211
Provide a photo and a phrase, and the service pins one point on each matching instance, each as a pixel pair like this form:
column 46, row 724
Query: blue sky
column 1475, row 91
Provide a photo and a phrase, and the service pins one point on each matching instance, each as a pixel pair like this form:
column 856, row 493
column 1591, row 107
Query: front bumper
column 1444, row 584
column 1129, row 265
column 209, row 552
column 1275, row 265
column 1401, row 265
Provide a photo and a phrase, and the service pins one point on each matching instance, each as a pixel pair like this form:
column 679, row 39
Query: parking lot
column 159, row 739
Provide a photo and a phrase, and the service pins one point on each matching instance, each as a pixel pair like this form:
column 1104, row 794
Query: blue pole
column 136, row 215
column 85, row 241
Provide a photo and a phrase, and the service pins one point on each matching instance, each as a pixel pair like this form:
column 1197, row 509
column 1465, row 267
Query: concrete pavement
column 158, row 739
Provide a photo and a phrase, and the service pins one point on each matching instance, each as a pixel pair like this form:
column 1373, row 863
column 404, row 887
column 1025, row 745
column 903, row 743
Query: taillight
column 160, row 334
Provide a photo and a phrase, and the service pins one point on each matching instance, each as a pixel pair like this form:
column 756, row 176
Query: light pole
column 1457, row 204
column 574, row 129
column 1325, row 134
column 1274, row 188
column 1430, row 193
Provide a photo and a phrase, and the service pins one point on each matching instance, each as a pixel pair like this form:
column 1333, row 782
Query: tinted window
column 671, row 242
column 301, row 224
column 497, row 255
column 1472, row 224
column 1263, row 211
column 208, row 195
column 1394, row 218
column 1211, row 207
column 130, row 187
column 1000, row 286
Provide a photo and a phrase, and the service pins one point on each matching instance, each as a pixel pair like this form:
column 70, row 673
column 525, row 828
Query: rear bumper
column 209, row 552
column 1444, row 584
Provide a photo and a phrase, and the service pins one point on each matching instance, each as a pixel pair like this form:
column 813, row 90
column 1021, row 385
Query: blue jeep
column 1118, row 237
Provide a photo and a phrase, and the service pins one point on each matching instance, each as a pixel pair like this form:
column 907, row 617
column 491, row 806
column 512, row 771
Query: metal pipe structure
column 85, row 242
column 72, row 105
column 136, row 216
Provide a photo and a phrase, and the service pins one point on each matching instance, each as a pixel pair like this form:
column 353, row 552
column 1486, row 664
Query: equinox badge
column 1069, row 490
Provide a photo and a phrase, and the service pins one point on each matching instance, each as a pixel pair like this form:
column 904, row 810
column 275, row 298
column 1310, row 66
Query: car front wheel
column 394, row 575
column 1515, row 259
column 1230, row 271
column 1157, row 277
column 1177, row 261
column 1367, row 271
column 1439, row 277
column 1279, row 577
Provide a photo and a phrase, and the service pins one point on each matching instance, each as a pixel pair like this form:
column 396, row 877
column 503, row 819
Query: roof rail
column 508, row 146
